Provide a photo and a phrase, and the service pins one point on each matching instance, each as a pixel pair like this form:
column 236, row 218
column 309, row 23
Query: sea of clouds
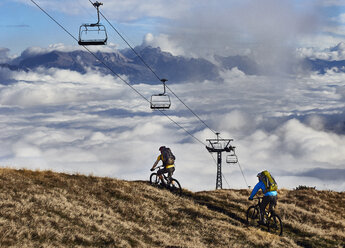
column 95, row 124
column 291, row 124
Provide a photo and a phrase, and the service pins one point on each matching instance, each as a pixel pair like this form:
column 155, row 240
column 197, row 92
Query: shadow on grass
column 216, row 206
column 205, row 201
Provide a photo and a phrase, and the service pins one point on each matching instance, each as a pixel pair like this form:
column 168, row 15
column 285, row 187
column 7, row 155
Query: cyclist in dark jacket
column 270, row 197
column 168, row 168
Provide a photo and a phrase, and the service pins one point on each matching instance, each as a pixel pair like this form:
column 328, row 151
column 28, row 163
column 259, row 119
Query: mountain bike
column 271, row 220
column 168, row 182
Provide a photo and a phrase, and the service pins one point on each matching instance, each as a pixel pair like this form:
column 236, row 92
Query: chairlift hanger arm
column 163, row 80
column 230, row 148
column 96, row 5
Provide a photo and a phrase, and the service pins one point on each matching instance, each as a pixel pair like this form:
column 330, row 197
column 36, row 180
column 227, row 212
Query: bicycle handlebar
column 257, row 198
column 156, row 168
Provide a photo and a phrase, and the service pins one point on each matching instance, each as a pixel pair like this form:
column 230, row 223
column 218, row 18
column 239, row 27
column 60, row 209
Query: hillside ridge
column 178, row 69
column 49, row 209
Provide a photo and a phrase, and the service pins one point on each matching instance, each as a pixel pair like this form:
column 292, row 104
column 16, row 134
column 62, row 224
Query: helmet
column 161, row 148
column 259, row 175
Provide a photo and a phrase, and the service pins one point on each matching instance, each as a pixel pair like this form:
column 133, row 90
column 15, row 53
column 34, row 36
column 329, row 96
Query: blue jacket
column 261, row 185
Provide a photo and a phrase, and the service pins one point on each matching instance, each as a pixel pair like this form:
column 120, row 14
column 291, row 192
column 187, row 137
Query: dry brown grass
column 47, row 209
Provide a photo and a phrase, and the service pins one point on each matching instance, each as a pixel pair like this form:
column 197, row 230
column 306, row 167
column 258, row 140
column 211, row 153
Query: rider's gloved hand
column 250, row 199
column 152, row 169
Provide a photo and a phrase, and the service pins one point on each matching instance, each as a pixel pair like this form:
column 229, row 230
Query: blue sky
column 50, row 118
column 24, row 25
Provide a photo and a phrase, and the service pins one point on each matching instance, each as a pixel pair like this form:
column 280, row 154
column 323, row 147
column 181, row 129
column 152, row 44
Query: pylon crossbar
column 213, row 143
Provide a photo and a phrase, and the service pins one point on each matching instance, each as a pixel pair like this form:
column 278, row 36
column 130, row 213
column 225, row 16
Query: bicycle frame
column 165, row 175
column 168, row 182
column 273, row 221
column 268, row 213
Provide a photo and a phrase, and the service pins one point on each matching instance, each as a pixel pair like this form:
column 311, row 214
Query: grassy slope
column 59, row 210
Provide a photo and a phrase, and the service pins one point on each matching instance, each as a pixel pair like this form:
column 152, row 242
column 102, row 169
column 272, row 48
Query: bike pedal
column 261, row 222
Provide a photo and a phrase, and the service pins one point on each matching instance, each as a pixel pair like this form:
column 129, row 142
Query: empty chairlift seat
column 93, row 34
column 231, row 158
column 160, row 101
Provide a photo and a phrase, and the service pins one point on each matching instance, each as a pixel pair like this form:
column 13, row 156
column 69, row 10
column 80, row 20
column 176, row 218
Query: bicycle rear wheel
column 252, row 216
column 275, row 225
column 175, row 186
column 154, row 179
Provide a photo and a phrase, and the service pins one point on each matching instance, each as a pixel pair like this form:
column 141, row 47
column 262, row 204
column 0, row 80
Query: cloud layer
column 268, row 30
column 201, row 28
column 94, row 124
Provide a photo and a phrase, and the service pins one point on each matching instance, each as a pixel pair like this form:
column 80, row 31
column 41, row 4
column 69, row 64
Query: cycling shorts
column 170, row 171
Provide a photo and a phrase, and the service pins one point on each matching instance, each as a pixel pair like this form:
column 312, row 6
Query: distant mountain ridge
column 176, row 69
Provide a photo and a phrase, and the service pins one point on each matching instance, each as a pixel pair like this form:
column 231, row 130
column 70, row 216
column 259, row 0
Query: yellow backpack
column 268, row 180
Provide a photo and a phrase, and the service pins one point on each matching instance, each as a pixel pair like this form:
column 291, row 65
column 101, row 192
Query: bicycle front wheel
column 275, row 225
column 175, row 187
column 252, row 216
column 154, row 179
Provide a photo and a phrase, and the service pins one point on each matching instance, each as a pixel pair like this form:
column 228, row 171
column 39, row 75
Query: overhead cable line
column 215, row 132
column 243, row 174
column 154, row 73
column 116, row 74
column 122, row 79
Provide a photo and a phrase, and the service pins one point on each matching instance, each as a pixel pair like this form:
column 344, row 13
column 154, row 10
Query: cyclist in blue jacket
column 270, row 197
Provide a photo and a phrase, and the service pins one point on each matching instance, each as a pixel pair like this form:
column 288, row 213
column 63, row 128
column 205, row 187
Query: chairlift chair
column 160, row 101
column 94, row 33
column 231, row 158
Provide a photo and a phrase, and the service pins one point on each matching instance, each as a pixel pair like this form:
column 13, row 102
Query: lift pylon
column 218, row 146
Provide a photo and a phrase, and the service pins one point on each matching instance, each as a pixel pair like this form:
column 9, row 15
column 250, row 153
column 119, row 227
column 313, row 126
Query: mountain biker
column 169, row 166
column 270, row 197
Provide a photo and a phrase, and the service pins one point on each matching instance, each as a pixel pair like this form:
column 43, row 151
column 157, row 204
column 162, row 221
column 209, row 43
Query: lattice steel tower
column 219, row 145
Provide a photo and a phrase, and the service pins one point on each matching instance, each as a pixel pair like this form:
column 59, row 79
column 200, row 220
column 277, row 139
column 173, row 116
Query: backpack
column 268, row 180
column 168, row 157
